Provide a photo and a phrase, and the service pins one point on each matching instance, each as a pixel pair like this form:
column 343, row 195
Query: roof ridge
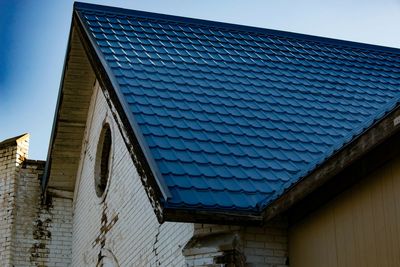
column 237, row 27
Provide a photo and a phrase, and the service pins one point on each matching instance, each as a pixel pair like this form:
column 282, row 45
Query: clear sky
column 34, row 33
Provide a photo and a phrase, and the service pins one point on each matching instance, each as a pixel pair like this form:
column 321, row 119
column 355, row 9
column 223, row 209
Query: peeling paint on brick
column 153, row 198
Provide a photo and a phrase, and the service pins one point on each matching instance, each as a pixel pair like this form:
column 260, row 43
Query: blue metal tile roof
column 234, row 115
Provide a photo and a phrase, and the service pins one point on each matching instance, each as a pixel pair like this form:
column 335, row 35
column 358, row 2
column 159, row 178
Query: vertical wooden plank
column 357, row 221
column 344, row 233
column 395, row 180
column 330, row 241
column 379, row 220
column 389, row 215
column 364, row 226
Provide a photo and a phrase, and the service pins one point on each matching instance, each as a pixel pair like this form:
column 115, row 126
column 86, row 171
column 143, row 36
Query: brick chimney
column 13, row 152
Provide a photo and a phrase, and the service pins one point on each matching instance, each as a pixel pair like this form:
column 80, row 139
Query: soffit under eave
column 72, row 110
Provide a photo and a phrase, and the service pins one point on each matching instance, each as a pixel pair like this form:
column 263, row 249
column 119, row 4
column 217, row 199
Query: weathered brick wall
column 12, row 154
column 27, row 206
column 7, row 202
column 254, row 246
column 31, row 234
column 43, row 231
column 124, row 224
column 58, row 215
column 268, row 245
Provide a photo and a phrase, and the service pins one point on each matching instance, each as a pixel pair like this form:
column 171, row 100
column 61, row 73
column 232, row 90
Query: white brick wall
column 27, row 249
column 261, row 246
column 266, row 246
column 31, row 234
column 43, row 232
column 9, row 167
column 130, row 228
column 60, row 245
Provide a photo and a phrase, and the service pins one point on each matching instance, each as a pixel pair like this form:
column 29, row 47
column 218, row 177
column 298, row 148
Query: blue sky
column 33, row 40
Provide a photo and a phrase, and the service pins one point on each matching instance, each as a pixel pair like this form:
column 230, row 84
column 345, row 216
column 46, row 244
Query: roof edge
column 134, row 126
column 236, row 27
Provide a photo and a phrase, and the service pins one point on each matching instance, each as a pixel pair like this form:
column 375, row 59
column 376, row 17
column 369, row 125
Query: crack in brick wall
column 105, row 227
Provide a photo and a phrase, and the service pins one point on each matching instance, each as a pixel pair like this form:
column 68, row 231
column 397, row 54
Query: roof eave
column 230, row 217
column 370, row 139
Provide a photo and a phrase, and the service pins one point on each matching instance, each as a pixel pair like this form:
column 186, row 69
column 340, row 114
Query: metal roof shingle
column 233, row 115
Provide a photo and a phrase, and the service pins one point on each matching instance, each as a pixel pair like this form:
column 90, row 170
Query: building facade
column 182, row 142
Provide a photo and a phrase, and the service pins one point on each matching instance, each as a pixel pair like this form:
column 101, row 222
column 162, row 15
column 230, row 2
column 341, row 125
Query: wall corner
column 13, row 153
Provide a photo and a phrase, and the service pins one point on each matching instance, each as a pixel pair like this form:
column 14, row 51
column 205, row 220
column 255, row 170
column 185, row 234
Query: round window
column 103, row 155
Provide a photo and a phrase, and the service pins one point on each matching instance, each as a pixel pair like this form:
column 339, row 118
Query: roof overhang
column 70, row 117
column 368, row 151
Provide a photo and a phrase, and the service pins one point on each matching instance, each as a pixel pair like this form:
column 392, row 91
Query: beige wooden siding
column 361, row 227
